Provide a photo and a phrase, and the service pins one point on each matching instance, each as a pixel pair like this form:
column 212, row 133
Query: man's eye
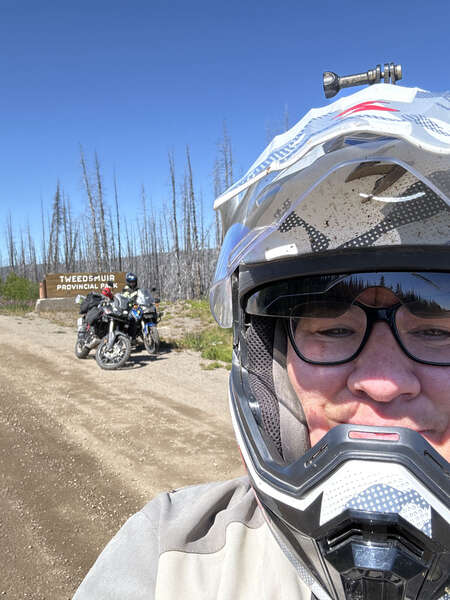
column 432, row 333
column 336, row 332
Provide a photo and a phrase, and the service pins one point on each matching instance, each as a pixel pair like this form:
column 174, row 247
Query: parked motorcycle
column 144, row 316
column 114, row 349
column 90, row 327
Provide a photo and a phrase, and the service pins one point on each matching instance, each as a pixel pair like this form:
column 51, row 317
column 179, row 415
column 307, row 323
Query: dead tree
column 12, row 253
column 174, row 218
column 197, row 286
column 116, row 201
column 22, row 260
column 44, row 240
column 70, row 235
column 55, row 227
column 32, row 259
column 101, row 213
column 92, row 210
column 218, row 189
column 222, row 174
column 227, row 157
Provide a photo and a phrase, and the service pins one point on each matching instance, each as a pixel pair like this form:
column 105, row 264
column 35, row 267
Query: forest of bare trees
column 173, row 247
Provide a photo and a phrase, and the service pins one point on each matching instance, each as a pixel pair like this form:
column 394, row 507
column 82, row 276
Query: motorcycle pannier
column 93, row 314
column 91, row 300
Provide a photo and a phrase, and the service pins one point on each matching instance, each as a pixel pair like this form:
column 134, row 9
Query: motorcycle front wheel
column 151, row 341
column 115, row 357
column 80, row 350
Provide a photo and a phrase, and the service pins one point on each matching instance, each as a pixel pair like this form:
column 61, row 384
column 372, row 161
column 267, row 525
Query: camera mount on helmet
column 332, row 83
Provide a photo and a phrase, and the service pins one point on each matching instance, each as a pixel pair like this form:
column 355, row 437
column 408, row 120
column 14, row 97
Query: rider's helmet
column 355, row 195
column 131, row 280
column 106, row 291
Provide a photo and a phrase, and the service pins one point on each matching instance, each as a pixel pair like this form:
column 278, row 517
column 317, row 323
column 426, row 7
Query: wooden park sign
column 66, row 285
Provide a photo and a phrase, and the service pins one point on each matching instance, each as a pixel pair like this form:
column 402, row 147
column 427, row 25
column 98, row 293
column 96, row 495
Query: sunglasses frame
column 373, row 315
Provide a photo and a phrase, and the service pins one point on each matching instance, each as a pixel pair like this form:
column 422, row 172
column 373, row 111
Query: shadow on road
column 137, row 361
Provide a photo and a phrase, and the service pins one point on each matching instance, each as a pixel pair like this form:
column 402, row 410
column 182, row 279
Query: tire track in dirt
column 130, row 434
column 58, row 505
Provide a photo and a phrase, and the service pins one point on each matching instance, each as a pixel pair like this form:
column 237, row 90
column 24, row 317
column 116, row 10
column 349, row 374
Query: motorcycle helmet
column 106, row 291
column 131, row 280
column 355, row 196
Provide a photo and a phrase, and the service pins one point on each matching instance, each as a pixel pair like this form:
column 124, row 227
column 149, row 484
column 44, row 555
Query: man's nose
column 383, row 372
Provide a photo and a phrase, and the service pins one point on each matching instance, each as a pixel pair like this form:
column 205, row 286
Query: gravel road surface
column 82, row 449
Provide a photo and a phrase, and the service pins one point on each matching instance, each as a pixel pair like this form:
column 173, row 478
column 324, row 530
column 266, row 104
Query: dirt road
column 82, row 449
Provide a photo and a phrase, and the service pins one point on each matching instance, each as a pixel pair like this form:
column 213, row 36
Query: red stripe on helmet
column 363, row 106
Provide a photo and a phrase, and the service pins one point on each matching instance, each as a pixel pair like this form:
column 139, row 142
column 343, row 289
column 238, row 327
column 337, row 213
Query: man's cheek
column 435, row 384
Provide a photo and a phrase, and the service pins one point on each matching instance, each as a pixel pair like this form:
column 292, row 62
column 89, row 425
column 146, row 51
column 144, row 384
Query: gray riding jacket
column 206, row 542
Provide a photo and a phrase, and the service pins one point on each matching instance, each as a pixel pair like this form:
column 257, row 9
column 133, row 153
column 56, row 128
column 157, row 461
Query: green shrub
column 213, row 343
column 211, row 366
column 17, row 295
column 19, row 288
column 198, row 309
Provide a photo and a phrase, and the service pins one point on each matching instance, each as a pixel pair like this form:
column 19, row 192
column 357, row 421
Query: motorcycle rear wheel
column 80, row 350
column 117, row 356
column 152, row 341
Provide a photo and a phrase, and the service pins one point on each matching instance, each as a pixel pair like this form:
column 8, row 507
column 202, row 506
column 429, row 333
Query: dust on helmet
column 131, row 280
column 356, row 194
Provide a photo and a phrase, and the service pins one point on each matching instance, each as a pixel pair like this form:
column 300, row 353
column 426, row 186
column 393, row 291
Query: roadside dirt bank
column 82, row 449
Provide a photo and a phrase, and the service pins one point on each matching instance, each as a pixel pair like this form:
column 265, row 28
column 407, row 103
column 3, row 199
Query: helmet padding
column 281, row 412
column 260, row 375
column 293, row 429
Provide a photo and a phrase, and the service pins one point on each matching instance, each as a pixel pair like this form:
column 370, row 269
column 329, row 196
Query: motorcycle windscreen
column 144, row 297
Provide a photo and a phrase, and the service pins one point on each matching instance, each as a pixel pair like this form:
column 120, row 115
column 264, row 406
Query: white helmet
column 355, row 195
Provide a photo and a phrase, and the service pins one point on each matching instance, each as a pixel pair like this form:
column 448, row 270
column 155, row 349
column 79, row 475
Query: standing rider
column 334, row 275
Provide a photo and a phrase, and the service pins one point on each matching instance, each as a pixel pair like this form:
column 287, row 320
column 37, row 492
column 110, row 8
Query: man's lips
column 380, row 421
column 417, row 416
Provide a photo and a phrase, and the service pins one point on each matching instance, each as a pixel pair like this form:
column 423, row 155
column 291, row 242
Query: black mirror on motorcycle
column 153, row 289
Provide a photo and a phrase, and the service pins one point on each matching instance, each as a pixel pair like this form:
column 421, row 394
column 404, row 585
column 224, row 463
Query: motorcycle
column 90, row 329
column 114, row 349
column 144, row 316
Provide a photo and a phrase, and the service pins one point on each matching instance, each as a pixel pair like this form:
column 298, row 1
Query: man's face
column 382, row 386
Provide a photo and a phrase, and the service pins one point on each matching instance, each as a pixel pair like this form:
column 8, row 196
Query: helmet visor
column 330, row 317
column 376, row 193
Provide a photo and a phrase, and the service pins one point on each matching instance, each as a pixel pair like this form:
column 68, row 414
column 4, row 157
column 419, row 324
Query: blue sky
column 133, row 80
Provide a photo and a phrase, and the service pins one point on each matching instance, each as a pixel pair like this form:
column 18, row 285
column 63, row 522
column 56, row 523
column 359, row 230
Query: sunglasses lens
column 425, row 334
